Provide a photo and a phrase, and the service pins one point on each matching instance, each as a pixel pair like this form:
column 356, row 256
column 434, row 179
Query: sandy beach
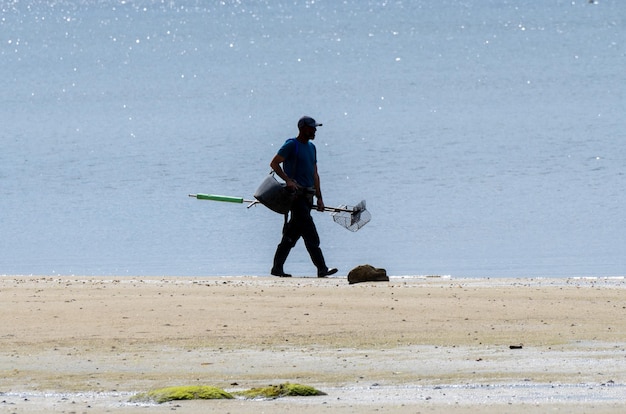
column 411, row 345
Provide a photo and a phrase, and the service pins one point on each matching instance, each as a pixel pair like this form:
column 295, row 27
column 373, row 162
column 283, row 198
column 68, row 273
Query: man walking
column 298, row 157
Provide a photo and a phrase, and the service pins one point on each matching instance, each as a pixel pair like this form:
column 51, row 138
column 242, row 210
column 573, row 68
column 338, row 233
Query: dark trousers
column 299, row 225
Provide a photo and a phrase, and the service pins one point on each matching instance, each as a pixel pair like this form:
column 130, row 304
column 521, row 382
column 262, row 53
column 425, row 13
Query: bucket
column 274, row 195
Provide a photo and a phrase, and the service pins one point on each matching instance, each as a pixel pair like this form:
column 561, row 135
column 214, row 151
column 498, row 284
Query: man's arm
column 275, row 165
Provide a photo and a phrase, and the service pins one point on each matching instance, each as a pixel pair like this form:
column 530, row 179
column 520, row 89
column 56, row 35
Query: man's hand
column 291, row 185
column 320, row 204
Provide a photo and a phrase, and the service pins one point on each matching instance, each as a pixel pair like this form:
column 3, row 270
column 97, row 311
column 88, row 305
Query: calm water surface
column 487, row 137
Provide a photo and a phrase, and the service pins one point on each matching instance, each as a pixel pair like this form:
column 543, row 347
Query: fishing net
column 352, row 218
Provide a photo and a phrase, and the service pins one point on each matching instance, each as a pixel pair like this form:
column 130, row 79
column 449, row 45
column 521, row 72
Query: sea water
column 487, row 137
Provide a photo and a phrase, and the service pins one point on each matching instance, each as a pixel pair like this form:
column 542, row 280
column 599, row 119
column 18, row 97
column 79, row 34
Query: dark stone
column 367, row 273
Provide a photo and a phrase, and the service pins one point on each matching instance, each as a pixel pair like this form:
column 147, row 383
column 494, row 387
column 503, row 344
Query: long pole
column 241, row 200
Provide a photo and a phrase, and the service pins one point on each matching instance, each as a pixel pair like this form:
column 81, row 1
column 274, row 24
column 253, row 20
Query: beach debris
column 520, row 346
column 367, row 273
column 190, row 392
column 282, row 390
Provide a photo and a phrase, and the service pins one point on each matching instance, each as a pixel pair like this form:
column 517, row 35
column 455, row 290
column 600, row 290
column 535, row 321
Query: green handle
column 214, row 197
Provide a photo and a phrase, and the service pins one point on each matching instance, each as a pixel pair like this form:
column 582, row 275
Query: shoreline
column 411, row 343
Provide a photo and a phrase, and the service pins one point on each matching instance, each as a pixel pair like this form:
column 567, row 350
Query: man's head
column 307, row 127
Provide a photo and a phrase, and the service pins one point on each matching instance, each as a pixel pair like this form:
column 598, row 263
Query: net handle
column 339, row 209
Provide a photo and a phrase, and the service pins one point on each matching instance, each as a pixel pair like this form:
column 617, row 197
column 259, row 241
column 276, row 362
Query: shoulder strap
column 295, row 160
column 295, row 163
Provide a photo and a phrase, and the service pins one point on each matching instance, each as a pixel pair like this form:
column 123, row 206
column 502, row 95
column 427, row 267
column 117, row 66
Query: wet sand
column 430, row 344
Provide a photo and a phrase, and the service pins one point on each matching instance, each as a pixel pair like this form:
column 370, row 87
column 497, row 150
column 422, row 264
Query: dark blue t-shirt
column 302, row 157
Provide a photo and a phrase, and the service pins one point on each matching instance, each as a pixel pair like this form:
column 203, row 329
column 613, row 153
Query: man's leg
column 280, row 257
column 291, row 234
column 312, row 243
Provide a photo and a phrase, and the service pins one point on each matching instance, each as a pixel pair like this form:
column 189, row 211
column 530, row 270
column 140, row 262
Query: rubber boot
column 282, row 251
column 318, row 260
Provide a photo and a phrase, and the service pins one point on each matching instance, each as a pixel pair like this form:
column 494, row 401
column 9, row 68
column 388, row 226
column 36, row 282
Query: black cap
column 307, row 121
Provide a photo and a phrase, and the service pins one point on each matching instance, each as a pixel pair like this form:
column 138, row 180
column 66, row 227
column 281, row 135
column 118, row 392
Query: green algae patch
column 282, row 390
column 202, row 392
column 192, row 392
